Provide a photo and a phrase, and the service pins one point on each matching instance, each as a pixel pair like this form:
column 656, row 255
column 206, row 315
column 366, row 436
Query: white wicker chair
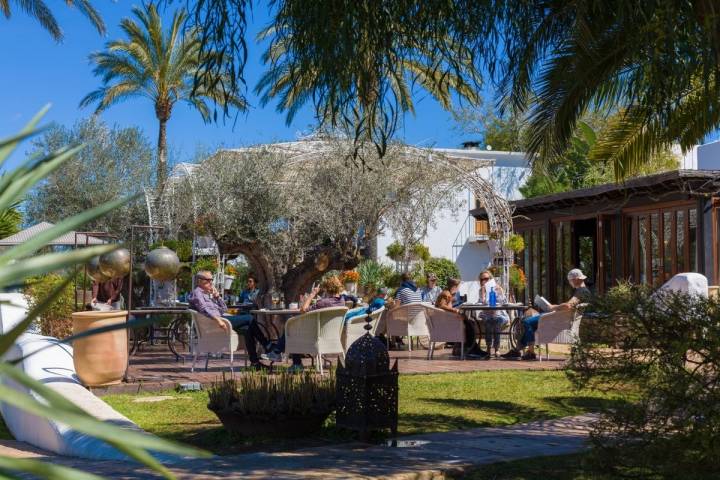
column 316, row 333
column 355, row 327
column 445, row 326
column 211, row 339
column 561, row 327
column 407, row 320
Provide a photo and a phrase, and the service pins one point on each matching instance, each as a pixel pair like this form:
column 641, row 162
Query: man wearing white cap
column 580, row 294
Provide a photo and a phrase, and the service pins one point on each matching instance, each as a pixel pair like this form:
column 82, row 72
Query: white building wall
column 508, row 174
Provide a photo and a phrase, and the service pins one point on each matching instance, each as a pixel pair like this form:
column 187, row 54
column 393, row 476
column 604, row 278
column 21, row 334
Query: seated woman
column 581, row 294
column 493, row 320
column 448, row 300
column 332, row 288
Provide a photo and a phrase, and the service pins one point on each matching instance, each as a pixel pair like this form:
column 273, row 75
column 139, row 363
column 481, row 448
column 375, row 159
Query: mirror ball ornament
column 162, row 264
column 115, row 264
column 93, row 269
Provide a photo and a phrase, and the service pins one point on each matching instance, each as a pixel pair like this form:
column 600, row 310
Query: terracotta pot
column 100, row 359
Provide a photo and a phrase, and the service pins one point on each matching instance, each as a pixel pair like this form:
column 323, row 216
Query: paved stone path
column 416, row 457
column 155, row 368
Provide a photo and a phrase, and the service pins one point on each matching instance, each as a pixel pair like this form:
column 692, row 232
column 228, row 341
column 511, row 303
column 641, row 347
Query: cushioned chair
column 407, row 320
column 316, row 333
column 355, row 327
column 444, row 326
column 560, row 328
column 210, row 338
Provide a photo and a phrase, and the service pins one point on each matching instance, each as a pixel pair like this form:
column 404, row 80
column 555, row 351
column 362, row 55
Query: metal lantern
column 162, row 264
column 93, row 269
column 367, row 388
column 115, row 264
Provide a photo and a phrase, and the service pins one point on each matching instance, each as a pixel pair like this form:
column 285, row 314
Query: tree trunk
column 162, row 154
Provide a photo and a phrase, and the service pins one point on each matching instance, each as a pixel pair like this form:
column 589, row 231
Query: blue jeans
column 239, row 322
column 531, row 325
column 493, row 325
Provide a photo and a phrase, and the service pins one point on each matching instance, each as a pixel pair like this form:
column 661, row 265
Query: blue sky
column 37, row 70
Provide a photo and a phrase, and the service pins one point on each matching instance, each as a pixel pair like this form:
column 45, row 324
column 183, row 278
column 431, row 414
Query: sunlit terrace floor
column 154, row 367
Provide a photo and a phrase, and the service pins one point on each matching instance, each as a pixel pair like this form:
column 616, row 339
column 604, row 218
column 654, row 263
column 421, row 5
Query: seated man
column 581, row 294
column 206, row 299
column 332, row 288
column 449, row 300
column 408, row 291
column 376, row 303
column 493, row 320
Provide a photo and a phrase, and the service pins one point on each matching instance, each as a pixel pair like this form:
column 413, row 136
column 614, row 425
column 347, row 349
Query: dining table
column 514, row 332
column 175, row 334
column 272, row 321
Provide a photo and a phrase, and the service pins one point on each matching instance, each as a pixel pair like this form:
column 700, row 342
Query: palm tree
column 41, row 12
column 376, row 96
column 654, row 63
column 157, row 65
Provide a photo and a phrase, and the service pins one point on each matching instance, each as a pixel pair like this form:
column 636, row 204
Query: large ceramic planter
column 228, row 282
column 100, row 359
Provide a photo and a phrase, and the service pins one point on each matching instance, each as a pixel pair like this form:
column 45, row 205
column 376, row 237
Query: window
column 660, row 243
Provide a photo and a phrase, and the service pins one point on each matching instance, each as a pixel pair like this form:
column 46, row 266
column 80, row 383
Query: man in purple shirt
column 206, row 299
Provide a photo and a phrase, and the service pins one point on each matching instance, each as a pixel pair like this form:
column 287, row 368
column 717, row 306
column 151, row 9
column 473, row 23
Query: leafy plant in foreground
column 663, row 348
column 21, row 262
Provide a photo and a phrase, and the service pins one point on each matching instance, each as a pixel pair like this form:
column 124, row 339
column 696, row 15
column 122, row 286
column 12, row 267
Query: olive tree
column 296, row 213
column 115, row 162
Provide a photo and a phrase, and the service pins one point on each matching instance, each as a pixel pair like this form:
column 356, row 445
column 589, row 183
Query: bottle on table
column 492, row 297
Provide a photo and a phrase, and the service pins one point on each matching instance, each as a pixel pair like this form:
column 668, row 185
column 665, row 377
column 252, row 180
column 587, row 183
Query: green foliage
column 576, row 168
column 373, row 274
column 517, row 280
column 502, row 132
column 56, row 320
column 516, row 243
column 205, row 263
column 259, row 395
column 40, row 11
column 115, row 162
column 183, row 248
column 10, row 221
column 667, row 353
column 443, row 268
column 396, row 251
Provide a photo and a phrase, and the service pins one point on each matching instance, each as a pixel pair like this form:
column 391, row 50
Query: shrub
column 259, row 395
column 205, row 263
column 56, row 320
column 373, row 274
column 395, row 251
column 443, row 268
column 515, row 242
column 349, row 276
column 666, row 354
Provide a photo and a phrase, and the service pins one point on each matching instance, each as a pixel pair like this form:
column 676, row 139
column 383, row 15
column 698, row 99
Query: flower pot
column 280, row 426
column 351, row 287
column 228, row 282
column 100, row 359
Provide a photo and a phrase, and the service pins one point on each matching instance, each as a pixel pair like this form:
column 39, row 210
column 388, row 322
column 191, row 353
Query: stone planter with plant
column 280, row 405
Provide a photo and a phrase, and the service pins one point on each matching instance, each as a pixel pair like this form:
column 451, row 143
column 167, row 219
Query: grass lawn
column 573, row 467
column 428, row 403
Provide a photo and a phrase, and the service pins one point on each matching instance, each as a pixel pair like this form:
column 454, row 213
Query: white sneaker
column 272, row 356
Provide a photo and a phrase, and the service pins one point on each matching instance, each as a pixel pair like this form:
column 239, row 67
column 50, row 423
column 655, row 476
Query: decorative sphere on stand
column 93, row 269
column 115, row 264
column 162, row 264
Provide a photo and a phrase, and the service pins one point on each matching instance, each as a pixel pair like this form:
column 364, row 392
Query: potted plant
column 230, row 275
column 350, row 279
column 279, row 405
column 515, row 243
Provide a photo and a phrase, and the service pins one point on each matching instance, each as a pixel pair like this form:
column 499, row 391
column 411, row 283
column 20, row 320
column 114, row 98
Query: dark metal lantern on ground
column 367, row 388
